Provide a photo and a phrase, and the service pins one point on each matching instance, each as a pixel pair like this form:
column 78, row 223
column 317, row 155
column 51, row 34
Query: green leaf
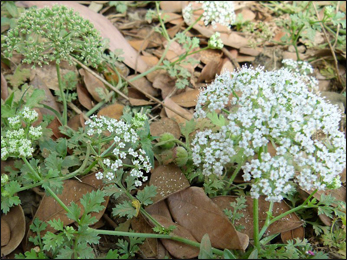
column 11, row 8
column 216, row 119
column 92, row 201
column 75, row 211
column 254, row 254
column 70, row 160
column 62, row 147
column 52, row 241
column 57, row 224
column 188, row 128
column 145, row 196
column 124, row 210
column 32, row 254
column 65, row 253
column 205, row 248
column 228, row 255
column 53, row 162
column 35, row 99
column 112, row 254
column 19, row 76
column 37, row 226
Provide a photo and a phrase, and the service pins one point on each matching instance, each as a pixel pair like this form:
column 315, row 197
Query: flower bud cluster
column 221, row 12
column 47, row 34
column 271, row 107
column 17, row 141
column 215, row 42
column 126, row 145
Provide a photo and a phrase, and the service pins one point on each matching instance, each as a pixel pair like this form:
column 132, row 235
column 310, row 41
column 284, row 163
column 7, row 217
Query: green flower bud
column 335, row 184
column 181, row 156
column 168, row 139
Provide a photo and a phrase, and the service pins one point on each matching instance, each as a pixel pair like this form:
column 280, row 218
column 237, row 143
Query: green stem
column 188, row 54
column 192, row 25
column 100, row 104
column 37, row 176
column 256, row 224
column 267, row 220
column 166, row 35
column 64, row 117
column 150, row 235
column 233, row 176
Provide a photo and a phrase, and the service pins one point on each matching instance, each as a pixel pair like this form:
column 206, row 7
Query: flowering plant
column 271, row 108
column 256, row 110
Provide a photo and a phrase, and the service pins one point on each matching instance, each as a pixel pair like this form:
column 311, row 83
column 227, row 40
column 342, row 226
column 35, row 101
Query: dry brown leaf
column 172, row 6
column 104, row 26
column 250, row 51
column 178, row 250
column 194, row 210
column 226, row 66
column 207, row 55
column 287, row 223
column 15, row 220
column 84, row 97
column 5, row 232
column 165, row 83
column 169, row 179
column 292, row 234
column 92, row 83
column 172, row 18
column 114, row 111
column 243, row 58
column 144, row 84
column 209, row 72
column 76, row 122
column 49, row 100
column 247, row 15
column 54, row 125
column 165, row 125
column 159, row 208
column 139, row 45
column 180, row 120
column 4, row 90
column 140, row 102
column 149, row 247
column 187, row 99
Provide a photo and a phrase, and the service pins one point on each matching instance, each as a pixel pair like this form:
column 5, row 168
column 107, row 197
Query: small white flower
column 99, row 175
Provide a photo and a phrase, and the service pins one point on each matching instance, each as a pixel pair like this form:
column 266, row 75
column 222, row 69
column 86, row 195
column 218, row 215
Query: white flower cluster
column 274, row 107
column 302, row 69
column 215, row 42
column 127, row 142
column 221, row 12
column 17, row 141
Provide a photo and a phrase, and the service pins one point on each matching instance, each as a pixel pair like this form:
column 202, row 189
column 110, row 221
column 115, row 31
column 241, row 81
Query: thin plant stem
column 256, row 224
column 62, row 94
column 166, row 35
column 267, row 220
column 150, row 235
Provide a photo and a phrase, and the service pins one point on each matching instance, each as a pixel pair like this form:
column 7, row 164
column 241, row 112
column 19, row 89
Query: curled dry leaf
column 209, row 72
column 290, row 222
column 292, row 234
column 194, row 210
column 54, row 125
column 169, row 179
column 145, row 85
column 165, row 83
column 187, row 99
column 4, row 90
column 149, row 247
column 114, row 111
column 104, row 26
column 84, row 97
column 180, row 120
column 207, row 55
column 178, row 250
column 92, row 83
column 165, row 125
column 172, row 6
column 12, row 229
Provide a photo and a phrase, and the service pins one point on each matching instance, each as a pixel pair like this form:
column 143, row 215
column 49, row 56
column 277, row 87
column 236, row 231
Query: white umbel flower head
column 277, row 107
column 218, row 12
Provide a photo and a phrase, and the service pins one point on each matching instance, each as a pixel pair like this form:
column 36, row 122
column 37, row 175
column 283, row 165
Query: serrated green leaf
column 32, row 254
column 75, row 211
column 52, row 241
column 92, row 201
column 19, row 76
column 38, row 225
column 57, row 224
column 112, row 190
column 112, row 254
column 70, row 161
column 35, row 98
column 218, row 120
column 145, row 196
column 124, row 210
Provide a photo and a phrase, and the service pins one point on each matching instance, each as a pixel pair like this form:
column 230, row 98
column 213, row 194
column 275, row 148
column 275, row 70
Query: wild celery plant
column 54, row 34
column 271, row 108
column 175, row 68
column 305, row 24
